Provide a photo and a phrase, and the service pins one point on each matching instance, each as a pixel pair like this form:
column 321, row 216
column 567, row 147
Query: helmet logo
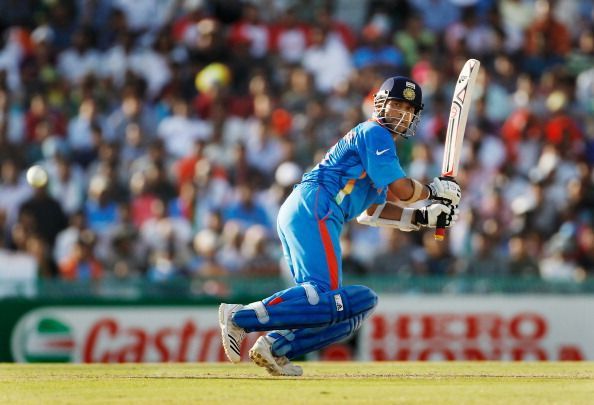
column 409, row 93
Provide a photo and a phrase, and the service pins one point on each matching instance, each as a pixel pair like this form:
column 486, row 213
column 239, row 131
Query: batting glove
column 427, row 216
column 441, row 189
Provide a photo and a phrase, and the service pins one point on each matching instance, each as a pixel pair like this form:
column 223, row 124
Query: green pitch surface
column 334, row 383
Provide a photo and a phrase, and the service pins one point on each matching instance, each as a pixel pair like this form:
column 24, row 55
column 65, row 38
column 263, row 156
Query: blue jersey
column 358, row 168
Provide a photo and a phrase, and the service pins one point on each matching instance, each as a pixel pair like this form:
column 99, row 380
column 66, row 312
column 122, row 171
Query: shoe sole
column 224, row 337
column 261, row 361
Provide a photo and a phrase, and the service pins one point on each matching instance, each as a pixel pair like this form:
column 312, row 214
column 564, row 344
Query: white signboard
column 434, row 327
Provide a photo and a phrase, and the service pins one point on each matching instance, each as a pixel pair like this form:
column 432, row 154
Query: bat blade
column 461, row 101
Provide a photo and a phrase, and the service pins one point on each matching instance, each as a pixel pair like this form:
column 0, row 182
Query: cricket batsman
column 352, row 181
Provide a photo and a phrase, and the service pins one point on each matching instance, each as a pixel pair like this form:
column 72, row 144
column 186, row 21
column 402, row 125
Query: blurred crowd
column 171, row 131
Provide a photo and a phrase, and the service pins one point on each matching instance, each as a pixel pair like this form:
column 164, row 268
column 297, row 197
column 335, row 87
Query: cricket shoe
column 231, row 334
column 261, row 354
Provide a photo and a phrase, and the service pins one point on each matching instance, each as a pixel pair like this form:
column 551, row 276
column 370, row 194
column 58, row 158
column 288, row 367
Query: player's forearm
column 408, row 219
column 409, row 190
column 389, row 211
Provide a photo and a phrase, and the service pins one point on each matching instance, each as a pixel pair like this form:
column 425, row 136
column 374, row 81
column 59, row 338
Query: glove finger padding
column 455, row 216
column 427, row 216
column 445, row 190
column 452, row 191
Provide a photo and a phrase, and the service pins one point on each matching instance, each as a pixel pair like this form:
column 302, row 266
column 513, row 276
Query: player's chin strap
column 404, row 224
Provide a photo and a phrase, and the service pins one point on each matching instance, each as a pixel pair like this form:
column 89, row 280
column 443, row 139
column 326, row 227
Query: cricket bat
column 456, row 126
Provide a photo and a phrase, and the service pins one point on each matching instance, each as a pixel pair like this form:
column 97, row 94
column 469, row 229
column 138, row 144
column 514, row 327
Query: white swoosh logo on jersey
column 377, row 152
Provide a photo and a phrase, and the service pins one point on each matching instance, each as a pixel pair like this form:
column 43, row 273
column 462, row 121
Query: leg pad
column 304, row 306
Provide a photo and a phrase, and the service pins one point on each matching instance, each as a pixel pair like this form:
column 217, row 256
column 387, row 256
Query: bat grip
column 440, row 227
column 441, row 219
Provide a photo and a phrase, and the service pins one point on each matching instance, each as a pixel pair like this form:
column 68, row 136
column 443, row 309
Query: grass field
column 334, row 383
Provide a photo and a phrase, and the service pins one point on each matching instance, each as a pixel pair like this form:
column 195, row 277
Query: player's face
column 400, row 113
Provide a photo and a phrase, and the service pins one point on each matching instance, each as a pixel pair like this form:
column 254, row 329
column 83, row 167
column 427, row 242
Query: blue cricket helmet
column 398, row 88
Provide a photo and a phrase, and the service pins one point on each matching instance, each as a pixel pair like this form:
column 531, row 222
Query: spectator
column 252, row 29
column 229, row 254
column 263, row 148
column 158, row 182
column 437, row 15
column 180, row 131
column 156, row 70
column 205, row 263
column 289, row 37
column 45, row 212
column 246, row 210
column 559, row 263
column 163, row 233
column 520, row 262
column 298, row 90
column 516, row 16
column 134, row 146
column 337, row 30
column 184, row 167
column 434, row 259
column 412, row 39
column 376, row 52
column 132, row 110
column 547, row 41
column 39, row 249
column 142, row 199
column 485, row 259
column 561, row 129
column 82, row 264
column 259, row 261
column 212, row 193
column 79, row 60
column 146, row 16
column 67, row 238
column 100, row 208
column 185, row 28
column 11, row 55
column 67, row 184
column 327, row 60
column 120, row 59
column 13, row 191
column 582, row 58
column 470, row 34
column 163, row 267
column 125, row 261
column 40, row 112
column 11, row 121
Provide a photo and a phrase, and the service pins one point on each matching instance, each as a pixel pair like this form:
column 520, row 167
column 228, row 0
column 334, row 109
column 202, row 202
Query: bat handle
column 439, row 234
column 440, row 228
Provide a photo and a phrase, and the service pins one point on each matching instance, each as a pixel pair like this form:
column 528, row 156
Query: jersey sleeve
column 381, row 197
column 378, row 156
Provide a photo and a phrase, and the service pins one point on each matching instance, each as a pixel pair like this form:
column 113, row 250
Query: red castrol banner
column 120, row 335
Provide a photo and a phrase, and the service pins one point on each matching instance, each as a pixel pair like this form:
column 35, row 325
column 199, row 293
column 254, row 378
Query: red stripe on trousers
column 330, row 256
